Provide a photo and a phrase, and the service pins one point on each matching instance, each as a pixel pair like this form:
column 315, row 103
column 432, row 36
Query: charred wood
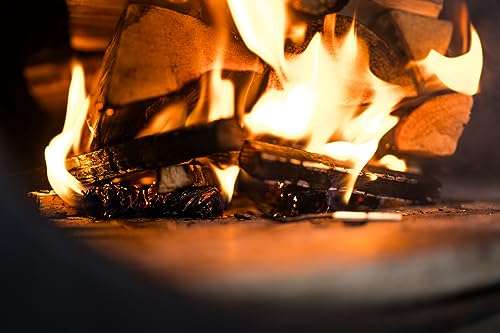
column 268, row 162
column 114, row 200
column 152, row 152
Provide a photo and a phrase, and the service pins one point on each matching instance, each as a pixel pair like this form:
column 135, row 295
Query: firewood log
column 157, row 51
column 431, row 8
column 278, row 163
column 435, row 127
column 152, row 152
column 156, row 57
column 415, row 35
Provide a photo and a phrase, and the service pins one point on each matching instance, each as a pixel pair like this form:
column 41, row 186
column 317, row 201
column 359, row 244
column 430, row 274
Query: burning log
column 156, row 58
column 318, row 7
column 268, row 162
column 114, row 200
column 151, row 152
column 435, row 127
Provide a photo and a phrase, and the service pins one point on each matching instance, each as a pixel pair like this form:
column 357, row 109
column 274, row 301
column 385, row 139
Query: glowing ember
column 462, row 73
column 63, row 183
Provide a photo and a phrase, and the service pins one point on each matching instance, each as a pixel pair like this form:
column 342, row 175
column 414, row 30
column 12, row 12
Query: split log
column 278, row 163
column 415, row 35
column 435, row 127
column 156, row 58
column 152, row 152
column 156, row 51
column 431, row 8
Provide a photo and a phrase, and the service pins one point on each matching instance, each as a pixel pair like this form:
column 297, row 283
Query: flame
column 227, row 180
column 462, row 73
column 392, row 162
column 63, row 183
column 325, row 94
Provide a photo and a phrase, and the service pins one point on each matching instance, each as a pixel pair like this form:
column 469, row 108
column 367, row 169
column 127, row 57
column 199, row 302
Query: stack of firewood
column 162, row 50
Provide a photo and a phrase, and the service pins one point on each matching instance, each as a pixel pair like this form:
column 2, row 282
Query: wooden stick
column 155, row 151
column 277, row 163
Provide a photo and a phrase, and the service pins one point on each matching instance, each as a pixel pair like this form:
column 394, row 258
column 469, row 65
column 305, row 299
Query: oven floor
column 436, row 257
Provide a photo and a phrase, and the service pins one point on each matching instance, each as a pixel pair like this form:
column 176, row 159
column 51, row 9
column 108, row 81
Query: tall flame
column 322, row 90
column 62, row 182
column 462, row 73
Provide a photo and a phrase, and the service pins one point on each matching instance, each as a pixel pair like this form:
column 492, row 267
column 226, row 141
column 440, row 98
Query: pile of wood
column 161, row 52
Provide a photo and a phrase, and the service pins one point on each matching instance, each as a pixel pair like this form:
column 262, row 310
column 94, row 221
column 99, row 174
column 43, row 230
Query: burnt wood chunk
column 152, row 152
column 268, row 162
column 318, row 7
column 431, row 8
column 114, row 200
column 435, row 127
column 417, row 35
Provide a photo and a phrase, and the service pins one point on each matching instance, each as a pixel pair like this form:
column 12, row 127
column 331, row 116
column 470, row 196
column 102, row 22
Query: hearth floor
column 435, row 254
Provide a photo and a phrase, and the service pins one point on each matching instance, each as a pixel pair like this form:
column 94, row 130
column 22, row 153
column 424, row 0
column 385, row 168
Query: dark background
column 478, row 155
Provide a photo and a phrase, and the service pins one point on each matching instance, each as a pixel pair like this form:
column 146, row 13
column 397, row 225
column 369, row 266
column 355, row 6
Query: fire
column 221, row 105
column 322, row 90
column 461, row 74
column 63, row 183
column 227, row 180
column 392, row 162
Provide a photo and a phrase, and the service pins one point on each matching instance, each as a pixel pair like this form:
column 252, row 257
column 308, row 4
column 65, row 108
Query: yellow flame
column 262, row 25
column 227, row 180
column 62, row 182
column 326, row 94
column 461, row 74
column 392, row 162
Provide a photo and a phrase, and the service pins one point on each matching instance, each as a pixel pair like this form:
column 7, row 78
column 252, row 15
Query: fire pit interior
column 271, row 152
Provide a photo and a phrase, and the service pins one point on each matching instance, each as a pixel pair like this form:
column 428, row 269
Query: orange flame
column 461, row 74
column 63, row 183
column 322, row 90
